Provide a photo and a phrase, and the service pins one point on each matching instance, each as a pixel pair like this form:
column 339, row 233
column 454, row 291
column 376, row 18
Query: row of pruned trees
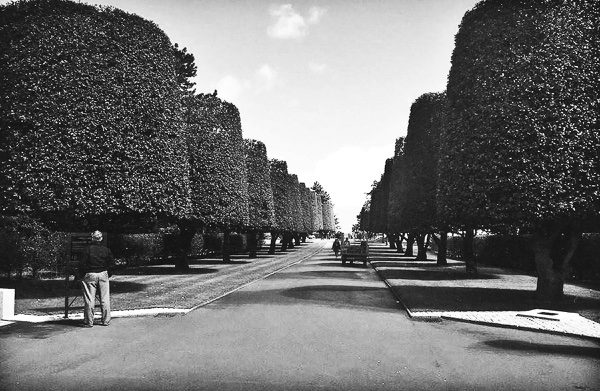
column 100, row 129
column 512, row 146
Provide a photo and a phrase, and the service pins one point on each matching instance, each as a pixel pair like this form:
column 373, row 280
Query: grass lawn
column 424, row 286
column 159, row 286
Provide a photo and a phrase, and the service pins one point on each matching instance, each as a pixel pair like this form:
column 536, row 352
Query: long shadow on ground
column 435, row 275
column 162, row 271
column 528, row 348
column 419, row 298
column 364, row 298
column 44, row 289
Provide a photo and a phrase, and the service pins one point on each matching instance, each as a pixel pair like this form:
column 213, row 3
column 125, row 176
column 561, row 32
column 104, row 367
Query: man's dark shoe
column 104, row 324
column 85, row 325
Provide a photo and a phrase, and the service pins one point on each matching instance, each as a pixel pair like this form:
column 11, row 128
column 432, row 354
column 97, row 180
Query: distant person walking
column 94, row 269
column 336, row 247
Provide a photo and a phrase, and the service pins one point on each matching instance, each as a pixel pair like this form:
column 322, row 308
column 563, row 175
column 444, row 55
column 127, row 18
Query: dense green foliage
column 281, row 195
column 90, row 120
column 307, row 218
column 218, row 165
column 27, row 247
column 328, row 217
column 417, row 194
column 394, row 221
column 317, row 212
column 260, row 196
column 185, row 69
column 380, row 194
column 295, row 205
column 521, row 141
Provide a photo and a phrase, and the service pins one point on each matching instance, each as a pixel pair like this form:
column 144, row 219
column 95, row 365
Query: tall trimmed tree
column 397, row 178
column 281, row 200
column 520, row 149
column 295, row 209
column 417, row 193
column 218, row 165
column 260, row 195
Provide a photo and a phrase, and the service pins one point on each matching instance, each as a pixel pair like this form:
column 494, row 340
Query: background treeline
column 511, row 147
column 100, row 128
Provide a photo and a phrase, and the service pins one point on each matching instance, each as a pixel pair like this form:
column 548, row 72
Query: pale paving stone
column 568, row 323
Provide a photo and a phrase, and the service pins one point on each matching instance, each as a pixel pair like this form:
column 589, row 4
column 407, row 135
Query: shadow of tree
column 337, row 274
column 528, row 348
column 350, row 296
column 484, row 299
column 49, row 289
column 435, row 275
column 358, row 265
column 162, row 271
column 39, row 330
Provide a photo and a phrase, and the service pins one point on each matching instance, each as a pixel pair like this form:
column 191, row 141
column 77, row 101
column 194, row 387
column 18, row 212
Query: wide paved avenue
column 315, row 325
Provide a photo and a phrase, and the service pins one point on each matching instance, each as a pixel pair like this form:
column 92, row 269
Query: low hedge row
column 29, row 249
column 516, row 252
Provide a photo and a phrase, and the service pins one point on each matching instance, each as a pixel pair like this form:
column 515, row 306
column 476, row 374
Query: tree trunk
column 392, row 240
column 442, row 244
column 285, row 239
column 410, row 241
column 467, row 253
column 273, row 244
column 187, row 231
column 226, row 246
column 252, row 243
column 296, row 239
column 421, row 247
column 553, row 252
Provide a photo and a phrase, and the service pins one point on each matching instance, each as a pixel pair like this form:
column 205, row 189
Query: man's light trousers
column 91, row 283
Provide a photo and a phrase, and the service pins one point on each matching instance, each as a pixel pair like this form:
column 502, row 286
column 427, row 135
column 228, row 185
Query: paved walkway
column 315, row 326
column 541, row 320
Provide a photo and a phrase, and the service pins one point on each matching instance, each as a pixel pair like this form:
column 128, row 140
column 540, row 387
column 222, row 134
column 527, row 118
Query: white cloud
column 230, row 88
column 289, row 24
column 317, row 67
column 266, row 78
column 315, row 14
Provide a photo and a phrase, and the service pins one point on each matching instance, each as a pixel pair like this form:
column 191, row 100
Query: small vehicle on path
column 355, row 252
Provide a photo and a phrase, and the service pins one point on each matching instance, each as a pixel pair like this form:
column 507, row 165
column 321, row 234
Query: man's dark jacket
column 98, row 258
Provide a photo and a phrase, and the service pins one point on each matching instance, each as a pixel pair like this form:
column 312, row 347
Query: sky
column 326, row 85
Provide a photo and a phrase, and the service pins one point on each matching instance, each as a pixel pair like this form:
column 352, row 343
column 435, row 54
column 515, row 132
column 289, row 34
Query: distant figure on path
column 336, row 246
column 94, row 269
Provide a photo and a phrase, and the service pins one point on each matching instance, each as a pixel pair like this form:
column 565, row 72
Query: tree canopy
column 417, row 193
column 260, row 195
column 520, row 145
column 90, row 120
column 217, row 158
